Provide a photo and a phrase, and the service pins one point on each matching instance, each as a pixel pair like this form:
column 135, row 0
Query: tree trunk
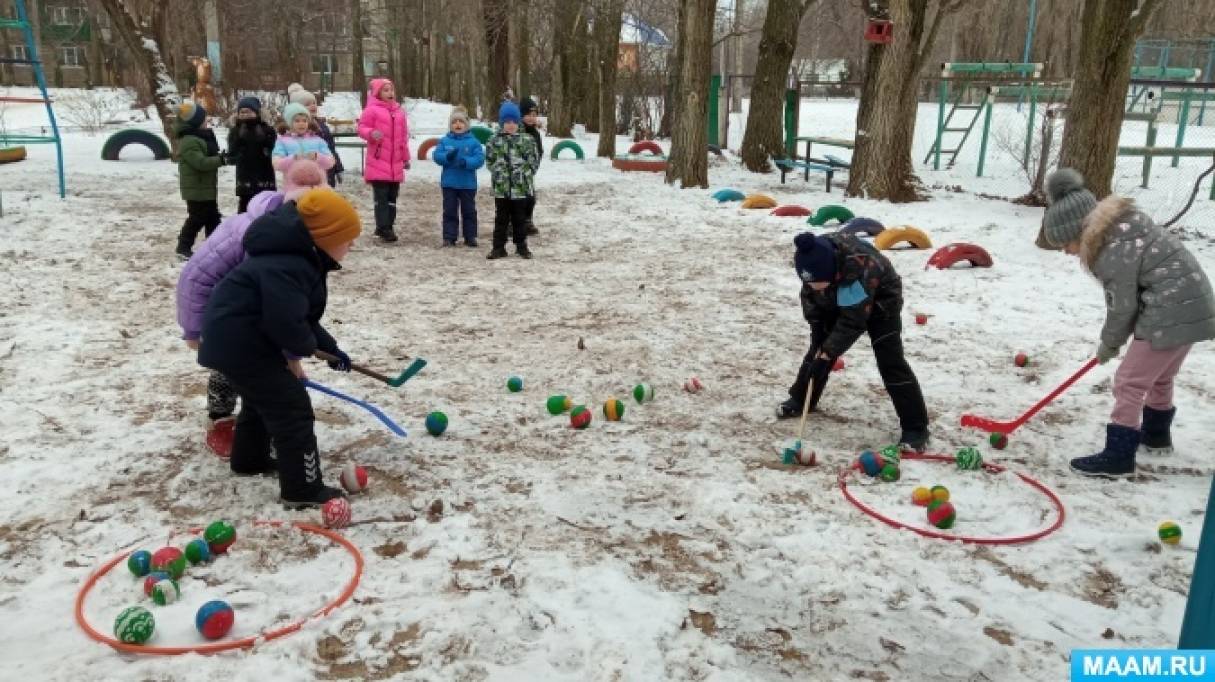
column 689, row 162
column 561, row 111
column 1094, row 117
column 881, row 162
column 764, row 136
column 670, row 104
column 523, row 54
column 497, row 43
column 144, row 40
column 607, row 41
column 358, row 79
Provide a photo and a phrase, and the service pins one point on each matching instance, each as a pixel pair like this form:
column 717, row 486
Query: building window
column 69, row 55
column 324, row 63
column 65, row 16
column 330, row 24
column 19, row 52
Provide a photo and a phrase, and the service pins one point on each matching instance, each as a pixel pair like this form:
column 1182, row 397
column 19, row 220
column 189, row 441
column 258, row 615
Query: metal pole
column 213, row 43
column 1182, row 118
column 991, row 97
column 1029, row 37
column 942, row 96
column 1198, row 624
column 1147, row 158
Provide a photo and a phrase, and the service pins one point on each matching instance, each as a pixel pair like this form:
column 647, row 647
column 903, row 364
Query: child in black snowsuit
column 849, row 288
column 531, row 126
column 250, row 142
column 261, row 319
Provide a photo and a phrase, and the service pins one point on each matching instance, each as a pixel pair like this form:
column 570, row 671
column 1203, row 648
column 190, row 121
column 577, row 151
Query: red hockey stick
column 993, row 426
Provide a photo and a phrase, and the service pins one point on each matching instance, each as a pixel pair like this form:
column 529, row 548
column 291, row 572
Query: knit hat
column 191, row 114
column 301, row 96
column 252, row 103
column 303, row 175
column 1068, row 203
column 509, row 111
column 293, row 88
column 528, row 105
column 815, row 258
column 458, row 114
column 330, row 219
column 292, row 110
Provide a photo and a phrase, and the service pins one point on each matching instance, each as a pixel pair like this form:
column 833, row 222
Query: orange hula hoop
column 216, row 647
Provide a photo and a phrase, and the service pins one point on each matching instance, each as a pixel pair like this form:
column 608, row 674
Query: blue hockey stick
column 392, row 426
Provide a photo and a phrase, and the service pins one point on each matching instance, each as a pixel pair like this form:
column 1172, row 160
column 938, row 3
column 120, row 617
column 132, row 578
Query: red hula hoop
column 994, row 468
column 216, row 647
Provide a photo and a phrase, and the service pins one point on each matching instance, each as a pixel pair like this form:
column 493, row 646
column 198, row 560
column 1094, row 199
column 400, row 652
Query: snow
column 670, row 545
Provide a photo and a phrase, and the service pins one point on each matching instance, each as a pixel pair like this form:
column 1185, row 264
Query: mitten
column 1105, row 353
column 341, row 362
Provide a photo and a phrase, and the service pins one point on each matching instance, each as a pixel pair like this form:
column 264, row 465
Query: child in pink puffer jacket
column 386, row 129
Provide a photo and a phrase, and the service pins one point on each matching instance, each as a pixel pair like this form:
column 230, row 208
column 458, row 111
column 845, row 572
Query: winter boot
column 1118, row 457
column 914, row 440
column 220, row 435
column 789, row 409
column 265, row 467
column 310, row 498
column 531, row 229
column 387, row 234
column 1157, row 440
column 470, row 243
column 497, row 253
column 524, row 252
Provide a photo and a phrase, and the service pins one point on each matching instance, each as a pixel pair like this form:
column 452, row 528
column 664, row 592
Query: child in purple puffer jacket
column 217, row 256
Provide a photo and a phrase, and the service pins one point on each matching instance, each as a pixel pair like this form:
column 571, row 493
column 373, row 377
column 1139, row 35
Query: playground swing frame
column 990, row 75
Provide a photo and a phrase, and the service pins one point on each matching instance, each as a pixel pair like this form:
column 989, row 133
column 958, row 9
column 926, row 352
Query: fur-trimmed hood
column 1097, row 224
column 280, row 127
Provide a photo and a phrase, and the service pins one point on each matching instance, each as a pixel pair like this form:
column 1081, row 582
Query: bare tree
column 607, row 41
column 689, row 160
column 671, row 104
column 358, row 79
column 764, row 136
column 497, row 42
column 567, row 18
column 143, row 35
column 885, row 125
column 1094, row 119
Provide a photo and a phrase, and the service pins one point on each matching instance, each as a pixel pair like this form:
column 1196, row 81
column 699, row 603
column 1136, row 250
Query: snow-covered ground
column 671, row 545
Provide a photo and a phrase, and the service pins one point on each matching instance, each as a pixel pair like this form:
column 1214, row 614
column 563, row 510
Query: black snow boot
column 789, row 409
column 497, row 253
column 914, row 440
column 300, row 484
column 1118, row 457
column 1156, row 438
column 387, row 234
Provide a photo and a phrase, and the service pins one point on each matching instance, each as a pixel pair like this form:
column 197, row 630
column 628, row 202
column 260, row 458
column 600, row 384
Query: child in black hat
column 250, row 143
column 531, row 126
column 849, row 288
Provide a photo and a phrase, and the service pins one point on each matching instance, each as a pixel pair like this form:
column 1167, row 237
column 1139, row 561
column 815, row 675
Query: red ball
column 921, row 318
column 353, row 478
column 169, row 560
column 336, row 513
column 998, row 441
column 941, row 514
column 1021, row 359
column 839, row 364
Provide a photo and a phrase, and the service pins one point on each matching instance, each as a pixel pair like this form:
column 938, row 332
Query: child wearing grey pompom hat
column 1155, row 292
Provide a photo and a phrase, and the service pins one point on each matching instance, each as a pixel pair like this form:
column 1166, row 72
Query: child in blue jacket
column 460, row 155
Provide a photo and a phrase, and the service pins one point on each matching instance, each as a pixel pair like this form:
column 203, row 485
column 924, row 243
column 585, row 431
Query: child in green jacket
column 199, row 159
column 512, row 159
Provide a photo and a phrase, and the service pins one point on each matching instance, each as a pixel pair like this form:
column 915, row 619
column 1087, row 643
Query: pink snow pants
column 1145, row 377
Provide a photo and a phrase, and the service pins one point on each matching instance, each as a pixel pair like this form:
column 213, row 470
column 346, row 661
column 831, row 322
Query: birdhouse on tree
column 879, row 31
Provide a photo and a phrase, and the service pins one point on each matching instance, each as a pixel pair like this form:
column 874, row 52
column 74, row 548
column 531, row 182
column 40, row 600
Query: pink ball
column 336, row 513
column 353, row 478
column 693, row 385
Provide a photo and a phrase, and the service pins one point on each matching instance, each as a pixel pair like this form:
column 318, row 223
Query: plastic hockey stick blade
column 1007, row 427
column 408, row 373
column 392, row 426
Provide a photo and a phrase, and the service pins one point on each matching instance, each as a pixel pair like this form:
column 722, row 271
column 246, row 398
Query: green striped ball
column 969, row 459
column 643, row 393
column 134, row 625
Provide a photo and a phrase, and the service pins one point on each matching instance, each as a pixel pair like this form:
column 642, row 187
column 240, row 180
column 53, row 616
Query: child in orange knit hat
column 262, row 319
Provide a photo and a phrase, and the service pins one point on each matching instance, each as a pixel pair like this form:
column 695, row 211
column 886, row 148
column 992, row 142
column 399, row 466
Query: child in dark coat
column 1156, row 295
column 250, row 143
column 849, row 288
column 531, row 125
column 512, row 160
column 261, row 319
column 460, row 155
column 198, row 165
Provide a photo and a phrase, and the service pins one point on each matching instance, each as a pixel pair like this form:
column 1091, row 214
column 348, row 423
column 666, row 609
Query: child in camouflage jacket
column 512, row 159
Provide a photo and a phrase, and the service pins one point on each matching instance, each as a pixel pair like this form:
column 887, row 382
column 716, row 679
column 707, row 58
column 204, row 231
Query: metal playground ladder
column 31, row 59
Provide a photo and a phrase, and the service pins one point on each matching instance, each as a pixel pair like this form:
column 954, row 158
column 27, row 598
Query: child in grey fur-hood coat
column 1156, row 294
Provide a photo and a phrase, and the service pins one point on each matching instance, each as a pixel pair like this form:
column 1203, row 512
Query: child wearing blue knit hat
column 512, row 159
column 848, row 289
